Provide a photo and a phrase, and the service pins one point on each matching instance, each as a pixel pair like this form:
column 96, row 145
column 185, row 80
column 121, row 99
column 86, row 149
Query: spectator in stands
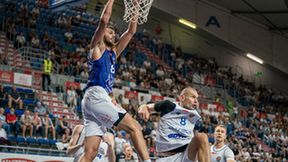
column 48, row 125
column 35, row 41
column 35, row 11
column 69, row 36
column 62, row 21
column 26, row 123
column 160, row 72
column 14, row 97
column 39, row 108
column 11, row 120
column 3, row 58
column 147, row 64
column 2, row 94
column 128, row 155
column 63, row 129
column 3, row 120
column 146, row 133
column 43, row 3
column 142, row 100
column 3, row 136
column 84, row 74
column 10, row 28
column 37, row 125
column 20, row 40
column 47, row 70
column 119, row 141
column 72, row 97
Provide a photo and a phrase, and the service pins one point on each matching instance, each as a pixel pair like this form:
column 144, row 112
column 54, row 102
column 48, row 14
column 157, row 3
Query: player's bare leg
column 90, row 148
column 134, row 129
column 199, row 148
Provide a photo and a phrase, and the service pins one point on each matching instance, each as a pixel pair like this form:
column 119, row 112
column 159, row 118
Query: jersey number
column 112, row 69
column 183, row 121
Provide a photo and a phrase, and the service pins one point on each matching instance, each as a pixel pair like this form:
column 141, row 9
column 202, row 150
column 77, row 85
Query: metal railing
column 36, row 57
column 31, row 150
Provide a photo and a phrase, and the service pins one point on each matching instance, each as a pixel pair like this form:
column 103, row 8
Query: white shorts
column 180, row 157
column 99, row 112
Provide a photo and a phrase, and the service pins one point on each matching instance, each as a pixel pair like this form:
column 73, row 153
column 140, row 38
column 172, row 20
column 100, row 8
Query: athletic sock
column 147, row 160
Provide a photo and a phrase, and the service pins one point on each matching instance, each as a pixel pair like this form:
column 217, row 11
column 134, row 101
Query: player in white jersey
column 106, row 147
column 220, row 152
column 175, row 139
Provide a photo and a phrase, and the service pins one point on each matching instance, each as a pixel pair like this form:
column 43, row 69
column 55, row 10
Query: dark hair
column 112, row 26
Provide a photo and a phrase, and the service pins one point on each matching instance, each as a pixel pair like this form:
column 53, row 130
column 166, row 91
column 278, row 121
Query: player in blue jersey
column 98, row 109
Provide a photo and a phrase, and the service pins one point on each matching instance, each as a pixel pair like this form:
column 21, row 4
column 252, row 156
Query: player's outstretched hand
column 143, row 112
column 109, row 139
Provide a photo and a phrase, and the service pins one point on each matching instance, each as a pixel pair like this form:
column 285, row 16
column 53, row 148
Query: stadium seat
column 32, row 142
column 52, row 142
column 21, row 141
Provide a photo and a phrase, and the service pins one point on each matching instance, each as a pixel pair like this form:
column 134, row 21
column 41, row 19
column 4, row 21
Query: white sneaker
column 59, row 146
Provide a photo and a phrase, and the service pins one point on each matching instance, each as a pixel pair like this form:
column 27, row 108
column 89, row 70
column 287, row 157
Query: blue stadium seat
column 7, row 88
column 7, row 110
column 52, row 142
column 19, row 112
column 12, row 138
column 20, row 139
column 31, row 140
column 28, row 101
column 42, row 141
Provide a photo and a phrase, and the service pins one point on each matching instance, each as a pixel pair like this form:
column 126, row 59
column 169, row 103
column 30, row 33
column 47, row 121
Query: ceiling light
column 188, row 23
column 255, row 58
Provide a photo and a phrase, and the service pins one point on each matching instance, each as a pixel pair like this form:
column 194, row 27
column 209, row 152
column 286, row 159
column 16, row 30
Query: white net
column 139, row 8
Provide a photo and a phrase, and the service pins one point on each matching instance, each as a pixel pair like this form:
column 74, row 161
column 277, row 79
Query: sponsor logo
column 176, row 136
column 16, row 160
column 183, row 131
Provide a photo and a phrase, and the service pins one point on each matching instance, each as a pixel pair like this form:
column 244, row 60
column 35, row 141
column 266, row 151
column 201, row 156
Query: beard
column 109, row 43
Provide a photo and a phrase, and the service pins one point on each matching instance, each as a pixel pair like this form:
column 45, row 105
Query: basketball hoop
column 139, row 8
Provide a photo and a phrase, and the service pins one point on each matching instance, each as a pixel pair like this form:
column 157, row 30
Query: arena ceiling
column 271, row 13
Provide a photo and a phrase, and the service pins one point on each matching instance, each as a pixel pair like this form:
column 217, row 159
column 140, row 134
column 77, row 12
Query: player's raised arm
column 104, row 20
column 126, row 36
column 162, row 107
column 145, row 110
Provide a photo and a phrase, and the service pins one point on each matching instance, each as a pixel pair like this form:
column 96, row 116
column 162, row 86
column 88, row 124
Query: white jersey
column 175, row 126
column 102, row 150
column 222, row 154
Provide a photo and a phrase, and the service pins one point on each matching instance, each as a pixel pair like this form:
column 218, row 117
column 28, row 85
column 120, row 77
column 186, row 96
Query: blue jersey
column 102, row 71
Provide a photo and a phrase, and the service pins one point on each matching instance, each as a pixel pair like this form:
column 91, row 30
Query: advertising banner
column 6, row 76
column 9, row 157
column 23, row 79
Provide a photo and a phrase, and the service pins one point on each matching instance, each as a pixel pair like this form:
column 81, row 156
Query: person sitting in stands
column 48, row 125
column 14, row 97
column 11, row 120
column 26, row 123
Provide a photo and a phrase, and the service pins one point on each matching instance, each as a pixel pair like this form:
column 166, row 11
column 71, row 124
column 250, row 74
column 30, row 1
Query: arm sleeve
column 164, row 107
column 229, row 155
column 199, row 126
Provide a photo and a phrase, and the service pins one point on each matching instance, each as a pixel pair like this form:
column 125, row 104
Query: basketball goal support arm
column 104, row 20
